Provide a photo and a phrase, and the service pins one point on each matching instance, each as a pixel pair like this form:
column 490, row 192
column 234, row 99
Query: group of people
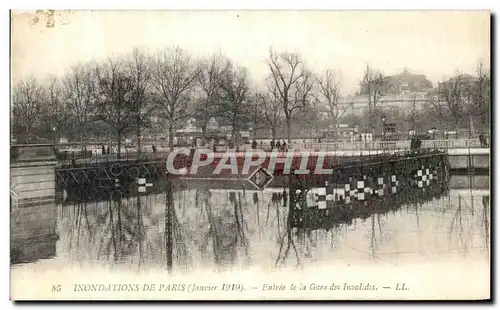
column 415, row 143
column 105, row 150
column 483, row 140
column 280, row 146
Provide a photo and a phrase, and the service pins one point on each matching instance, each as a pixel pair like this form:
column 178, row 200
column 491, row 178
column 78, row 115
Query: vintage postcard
column 250, row 155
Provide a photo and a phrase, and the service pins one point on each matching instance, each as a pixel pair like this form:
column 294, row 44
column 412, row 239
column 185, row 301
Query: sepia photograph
column 250, row 155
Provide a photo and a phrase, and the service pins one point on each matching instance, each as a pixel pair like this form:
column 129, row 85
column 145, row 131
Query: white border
column 185, row 4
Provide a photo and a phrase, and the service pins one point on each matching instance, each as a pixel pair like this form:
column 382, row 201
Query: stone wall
column 33, row 212
column 463, row 162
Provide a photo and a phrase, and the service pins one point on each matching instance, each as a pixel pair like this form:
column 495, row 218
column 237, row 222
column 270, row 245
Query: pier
column 32, row 204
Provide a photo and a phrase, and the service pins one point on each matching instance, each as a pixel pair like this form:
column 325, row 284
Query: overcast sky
column 436, row 44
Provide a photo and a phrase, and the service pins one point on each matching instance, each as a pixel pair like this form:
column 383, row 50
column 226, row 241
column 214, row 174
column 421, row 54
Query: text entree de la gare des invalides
column 224, row 287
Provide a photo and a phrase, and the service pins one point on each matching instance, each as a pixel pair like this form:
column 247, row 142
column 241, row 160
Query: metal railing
column 388, row 145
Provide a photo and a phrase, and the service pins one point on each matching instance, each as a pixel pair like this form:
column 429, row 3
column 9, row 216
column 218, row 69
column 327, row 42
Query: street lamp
column 383, row 128
column 54, row 139
column 383, row 133
column 54, row 135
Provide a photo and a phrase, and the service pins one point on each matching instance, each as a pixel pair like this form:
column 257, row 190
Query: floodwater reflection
column 190, row 226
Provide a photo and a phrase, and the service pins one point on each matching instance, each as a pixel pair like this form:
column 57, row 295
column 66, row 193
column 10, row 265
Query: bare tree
column 269, row 104
column 57, row 108
column 212, row 71
column 372, row 85
column 452, row 98
column 138, row 68
column 27, row 103
column 235, row 105
column 412, row 116
column 173, row 78
column 329, row 94
column 309, row 119
column 482, row 96
column 78, row 92
column 54, row 114
column 114, row 97
column 293, row 81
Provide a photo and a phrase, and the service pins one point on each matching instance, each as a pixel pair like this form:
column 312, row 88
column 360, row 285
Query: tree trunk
column 288, row 130
column 273, row 132
column 82, row 137
column 28, row 131
column 119, row 136
column 372, row 124
column 138, row 134
column 203, row 134
column 170, row 135
column 233, row 136
column 335, row 130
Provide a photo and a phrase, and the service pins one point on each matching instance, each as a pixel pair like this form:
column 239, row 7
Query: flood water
column 236, row 229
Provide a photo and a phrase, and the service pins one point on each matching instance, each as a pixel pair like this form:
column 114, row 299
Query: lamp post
column 54, row 136
column 383, row 133
column 54, row 139
column 383, row 127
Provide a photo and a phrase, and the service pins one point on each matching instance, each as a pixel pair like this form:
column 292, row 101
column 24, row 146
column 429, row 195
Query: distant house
column 402, row 90
column 462, row 79
column 402, row 84
column 407, row 83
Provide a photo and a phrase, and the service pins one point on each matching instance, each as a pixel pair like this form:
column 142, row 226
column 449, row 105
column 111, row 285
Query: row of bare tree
column 454, row 104
column 465, row 98
column 125, row 95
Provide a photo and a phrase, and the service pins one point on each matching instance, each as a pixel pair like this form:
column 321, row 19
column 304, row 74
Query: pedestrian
column 254, row 144
column 272, row 145
column 482, row 140
column 283, row 146
column 418, row 143
column 107, row 150
column 103, row 150
column 278, row 145
column 154, row 148
column 73, row 161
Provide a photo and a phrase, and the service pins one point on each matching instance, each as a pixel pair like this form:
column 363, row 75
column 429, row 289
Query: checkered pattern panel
column 360, row 190
column 381, row 185
column 142, row 185
column 394, row 183
column 350, row 191
column 424, row 177
column 331, row 194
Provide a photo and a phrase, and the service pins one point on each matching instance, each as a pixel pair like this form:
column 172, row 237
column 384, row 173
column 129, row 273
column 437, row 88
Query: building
column 463, row 80
column 406, row 83
column 400, row 91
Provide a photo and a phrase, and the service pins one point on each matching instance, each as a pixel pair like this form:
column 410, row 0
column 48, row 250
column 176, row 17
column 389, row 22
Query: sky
column 435, row 43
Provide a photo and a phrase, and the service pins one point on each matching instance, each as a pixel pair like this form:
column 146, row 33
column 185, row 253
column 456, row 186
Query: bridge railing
column 388, row 145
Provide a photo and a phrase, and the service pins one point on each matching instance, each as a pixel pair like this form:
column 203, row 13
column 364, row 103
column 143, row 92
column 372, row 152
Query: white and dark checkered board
column 142, row 185
column 424, row 176
column 324, row 197
column 380, row 186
